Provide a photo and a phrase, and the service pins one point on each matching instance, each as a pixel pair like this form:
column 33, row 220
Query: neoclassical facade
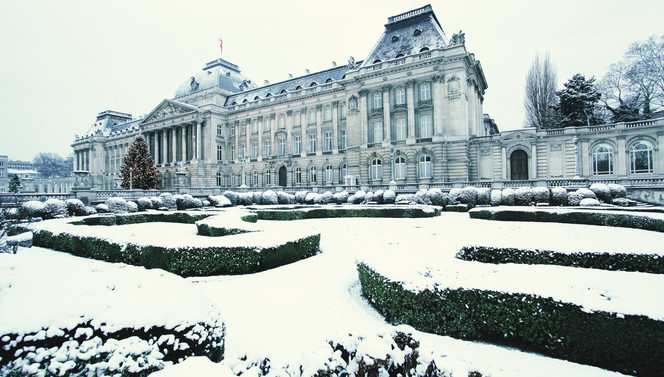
column 409, row 114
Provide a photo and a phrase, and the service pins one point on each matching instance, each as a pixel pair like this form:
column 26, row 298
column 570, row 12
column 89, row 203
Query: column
column 410, row 102
column 237, row 140
column 335, row 127
column 198, row 140
column 387, row 125
column 319, row 130
column 261, row 128
column 289, row 130
column 533, row 154
column 157, row 159
column 437, row 103
column 504, row 162
column 273, row 132
column 174, row 146
column 247, row 127
column 363, row 117
column 164, row 146
column 183, row 140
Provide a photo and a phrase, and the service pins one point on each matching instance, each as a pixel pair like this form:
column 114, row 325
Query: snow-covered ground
column 291, row 311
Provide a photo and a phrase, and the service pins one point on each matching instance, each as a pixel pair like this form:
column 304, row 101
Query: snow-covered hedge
column 617, row 191
column 55, row 208
column 541, row 195
column 523, row 196
column 421, row 197
column 340, row 197
column 310, row 198
column 496, row 197
column 285, row 198
column 404, row 199
column 574, row 198
column 389, row 197
column 270, row 197
column 586, row 193
column 33, row 208
column 347, row 211
column 559, row 196
column 156, row 202
column 219, row 201
column 231, row 196
column 102, row 208
column 189, row 202
column 508, row 197
column 588, row 202
column 602, row 192
column 468, row 195
column 132, row 207
column 453, row 195
column 300, row 196
column 169, row 201
column 483, row 196
column 75, row 207
column 324, row 198
column 357, row 198
column 436, row 197
column 144, row 204
column 117, row 205
column 378, row 196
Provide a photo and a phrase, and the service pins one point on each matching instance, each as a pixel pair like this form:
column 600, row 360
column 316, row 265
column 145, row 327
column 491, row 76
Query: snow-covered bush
column 55, row 208
column 623, row 202
column 179, row 201
column 191, row 202
column 574, row 198
column 468, row 195
column 33, row 208
column 341, row 197
column 541, row 195
column 219, row 201
column 257, row 197
column 102, row 208
column 231, row 196
column 421, row 197
column 310, row 198
column 144, row 203
column 453, row 195
column 496, row 197
column 378, row 196
column 483, row 196
column 436, row 196
column 205, row 202
column 117, row 205
column 270, row 197
column 132, row 207
column 90, row 211
column 602, row 192
column 404, row 199
column 285, row 198
column 559, row 196
column 589, row 202
column 617, row 191
column 325, row 198
column 508, row 197
column 75, row 207
column 168, row 200
column 358, row 197
column 585, row 193
column 389, row 197
column 156, row 202
column 300, row 196
column 368, row 197
column 523, row 196
column 245, row 198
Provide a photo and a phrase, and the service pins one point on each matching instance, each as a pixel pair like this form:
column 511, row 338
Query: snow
column 288, row 313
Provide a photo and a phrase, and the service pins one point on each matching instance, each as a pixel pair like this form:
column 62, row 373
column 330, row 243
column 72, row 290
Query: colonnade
column 172, row 145
column 82, row 160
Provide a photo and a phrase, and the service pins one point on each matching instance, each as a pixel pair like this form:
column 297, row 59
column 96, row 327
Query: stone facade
column 409, row 115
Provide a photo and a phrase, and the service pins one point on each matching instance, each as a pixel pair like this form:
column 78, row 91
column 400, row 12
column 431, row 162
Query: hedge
column 623, row 220
column 651, row 263
column 184, row 261
column 624, row 343
column 332, row 212
column 161, row 217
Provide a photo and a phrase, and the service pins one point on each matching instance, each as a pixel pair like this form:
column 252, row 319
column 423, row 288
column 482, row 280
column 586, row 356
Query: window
column 254, row 150
column 219, row 179
column 232, row 131
column 266, row 124
column 424, row 166
column 298, row 175
column 328, row 141
column 220, row 152
column 640, row 156
column 297, row 145
column 400, row 96
column 297, row 119
column 343, row 172
column 282, row 146
column 312, row 116
column 425, row 126
column 282, row 121
column 266, row 151
column 400, row 168
column 329, row 174
column 425, row 91
column 376, row 169
column 377, row 131
column 254, row 179
column 401, row 129
column 377, row 100
column 231, row 180
column 312, row 143
column 232, row 153
column 243, row 151
column 343, row 139
column 254, row 126
column 243, row 129
column 343, row 111
column 267, row 179
column 602, row 160
column 312, row 175
column 220, row 129
column 328, row 113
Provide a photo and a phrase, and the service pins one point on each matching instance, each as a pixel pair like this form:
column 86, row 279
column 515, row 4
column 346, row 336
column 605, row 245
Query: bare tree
column 540, row 99
column 619, row 96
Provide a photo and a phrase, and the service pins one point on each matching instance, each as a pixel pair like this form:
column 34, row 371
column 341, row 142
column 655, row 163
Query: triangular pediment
column 169, row 109
column 518, row 135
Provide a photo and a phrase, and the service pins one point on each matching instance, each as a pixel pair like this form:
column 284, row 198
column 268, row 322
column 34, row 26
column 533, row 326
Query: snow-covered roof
column 22, row 172
column 217, row 73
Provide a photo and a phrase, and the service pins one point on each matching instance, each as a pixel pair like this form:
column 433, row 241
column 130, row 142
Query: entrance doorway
column 519, row 165
column 283, row 177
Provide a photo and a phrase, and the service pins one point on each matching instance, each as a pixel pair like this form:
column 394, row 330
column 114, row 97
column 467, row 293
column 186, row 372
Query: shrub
column 453, row 195
column 378, row 196
column 205, row 203
column 326, row 197
column 75, row 207
column 179, row 201
column 102, row 208
column 117, row 205
column 156, row 202
column 368, row 197
column 541, row 195
column 617, row 191
column 559, row 196
column 508, row 197
column 33, row 208
column 523, row 196
column 300, row 196
column 496, row 197
column 602, row 192
column 191, row 202
column 245, row 198
column 219, row 201
column 574, row 198
column 231, row 196
column 168, row 201
column 132, row 207
column 484, row 196
column 468, row 195
column 405, row 199
column 389, row 197
column 623, row 202
column 270, row 197
column 589, row 202
column 285, row 198
column 310, row 198
column 585, row 193
column 144, row 203
column 436, row 197
column 90, row 211
column 341, row 197
column 257, row 197
column 55, row 208
column 358, row 197
column 421, row 197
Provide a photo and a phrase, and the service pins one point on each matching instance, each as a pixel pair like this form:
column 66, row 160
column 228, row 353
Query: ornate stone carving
column 351, row 63
column 458, row 38
column 168, row 110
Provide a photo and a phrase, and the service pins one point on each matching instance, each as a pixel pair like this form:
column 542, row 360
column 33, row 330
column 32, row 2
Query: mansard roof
column 217, row 73
column 408, row 33
column 291, row 85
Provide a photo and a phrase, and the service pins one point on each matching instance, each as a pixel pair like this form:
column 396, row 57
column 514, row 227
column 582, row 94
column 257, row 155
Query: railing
column 13, row 199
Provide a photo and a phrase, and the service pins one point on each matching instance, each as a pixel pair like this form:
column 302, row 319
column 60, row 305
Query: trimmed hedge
column 651, row 263
column 159, row 217
column 623, row 220
column 332, row 212
column 185, row 261
column 625, row 343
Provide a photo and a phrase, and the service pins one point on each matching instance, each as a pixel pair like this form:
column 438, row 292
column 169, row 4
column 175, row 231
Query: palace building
column 409, row 114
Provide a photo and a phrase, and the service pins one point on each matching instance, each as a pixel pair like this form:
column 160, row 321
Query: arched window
column 400, row 168
column 602, row 160
column 640, row 157
column 268, row 95
column 398, row 56
column 424, row 166
column 254, row 179
column 267, row 178
column 312, row 175
column 376, row 169
column 283, row 91
column 256, row 98
column 424, row 49
column 219, row 182
column 298, row 175
column 376, row 61
column 299, row 87
column 343, row 172
column 329, row 174
column 245, row 100
column 328, row 80
column 395, row 38
column 313, row 84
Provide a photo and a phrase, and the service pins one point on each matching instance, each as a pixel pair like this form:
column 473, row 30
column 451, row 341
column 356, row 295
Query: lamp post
column 393, row 184
column 243, row 162
column 131, row 178
column 103, row 180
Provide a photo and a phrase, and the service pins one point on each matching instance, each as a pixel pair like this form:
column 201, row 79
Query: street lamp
column 392, row 182
column 243, row 162
column 131, row 178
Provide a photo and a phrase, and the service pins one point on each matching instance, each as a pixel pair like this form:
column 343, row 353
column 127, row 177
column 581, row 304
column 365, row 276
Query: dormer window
column 328, row 80
column 398, row 56
column 268, row 95
column 395, row 39
column 417, row 32
column 424, row 49
column 256, row 98
column 313, row 84
column 299, row 87
column 376, row 61
column 283, row 91
column 245, row 101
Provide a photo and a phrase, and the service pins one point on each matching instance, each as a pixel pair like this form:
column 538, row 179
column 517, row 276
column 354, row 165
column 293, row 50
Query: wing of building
column 410, row 112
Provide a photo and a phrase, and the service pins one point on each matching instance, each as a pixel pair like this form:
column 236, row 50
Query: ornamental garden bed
column 333, row 211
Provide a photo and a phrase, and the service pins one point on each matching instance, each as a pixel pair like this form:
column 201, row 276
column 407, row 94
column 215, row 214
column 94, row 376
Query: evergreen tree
column 578, row 101
column 143, row 171
column 14, row 183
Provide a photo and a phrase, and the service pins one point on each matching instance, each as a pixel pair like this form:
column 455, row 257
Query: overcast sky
column 64, row 61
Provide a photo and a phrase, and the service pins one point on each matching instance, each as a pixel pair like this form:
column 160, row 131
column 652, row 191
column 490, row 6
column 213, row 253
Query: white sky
column 64, row 61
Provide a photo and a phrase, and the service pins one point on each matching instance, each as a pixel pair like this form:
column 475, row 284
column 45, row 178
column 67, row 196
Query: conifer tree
column 578, row 102
column 143, row 171
column 14, row 183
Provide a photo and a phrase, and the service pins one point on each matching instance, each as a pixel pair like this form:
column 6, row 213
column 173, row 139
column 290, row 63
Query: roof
column 217, row 73
column 291, row 85
column 408, row 33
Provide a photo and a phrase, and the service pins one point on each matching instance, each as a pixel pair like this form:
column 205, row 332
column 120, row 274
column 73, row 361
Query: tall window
column 298, row 175
column 254, row 179
column 328, row 141
column 343, row 111
column 219, row 129
column 312, row 116
column 343, row 139
column 243, row 129
column 243, row 151
column 267, row 178
column 376, row 169
column 282, row 146
column 424, row 166
column 640, row 156
column 329, row 174
column 400, row 168
column 232, row 153
column 377, row 131
column 231, row 180
column 425, row 91
column 297, row 120
column 218, row 178
column 220, row 153
column 328, row 113
column 254, row 150
column 297, row 145
column 344, row 171
column 425, row 126
column 602, row 160
column 232, row 131
column 401, row 128
column 312, row 175
column 400, row 96
column 266, row 152
column 377, row 100
column 312, row 143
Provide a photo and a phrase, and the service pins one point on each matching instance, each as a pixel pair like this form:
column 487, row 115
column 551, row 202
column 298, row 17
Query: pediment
column 169, row 109
column 518, row 135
